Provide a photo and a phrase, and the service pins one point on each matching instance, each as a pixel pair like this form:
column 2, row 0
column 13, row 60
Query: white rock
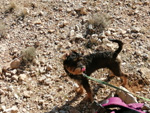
column 22, row 77
column 47, row 82
column 72, row 33
column 48, row 68
column 145, row 74
column 63, row 24
column 14, row 71
column 68, row 10
column 79, row 35
column 42, row 70
column 107, row 33
column 27, row 94
column 13, row 109
column 38, row 21
column 15, row 77
column 51, row 31
column 126, row 97
column 41, row 79
column 2, row 108
column 135, row 29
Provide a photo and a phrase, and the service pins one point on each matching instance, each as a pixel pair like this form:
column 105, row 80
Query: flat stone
column 15, row 63
column 126, row 97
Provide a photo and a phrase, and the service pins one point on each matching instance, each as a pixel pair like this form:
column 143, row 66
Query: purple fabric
column 118, row 102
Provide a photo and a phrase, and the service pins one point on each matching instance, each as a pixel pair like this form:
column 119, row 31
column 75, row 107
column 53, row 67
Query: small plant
column 97, row 23
column 10, row 8
column 28, row 55
column 23, row 12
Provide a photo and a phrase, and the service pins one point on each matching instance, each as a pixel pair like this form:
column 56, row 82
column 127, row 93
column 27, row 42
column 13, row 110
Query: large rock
column 15, row 63
column 145, row 74
column 126, row 97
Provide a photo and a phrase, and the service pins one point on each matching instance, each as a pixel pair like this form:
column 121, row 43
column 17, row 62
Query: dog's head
column 73, row 63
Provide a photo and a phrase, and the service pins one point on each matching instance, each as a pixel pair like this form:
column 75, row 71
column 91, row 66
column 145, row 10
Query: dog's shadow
column 82, row 107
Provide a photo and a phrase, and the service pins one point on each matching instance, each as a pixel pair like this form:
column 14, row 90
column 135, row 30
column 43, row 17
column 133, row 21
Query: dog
column 76, row 64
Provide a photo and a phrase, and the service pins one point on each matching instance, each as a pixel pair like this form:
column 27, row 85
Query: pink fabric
column 118, row 102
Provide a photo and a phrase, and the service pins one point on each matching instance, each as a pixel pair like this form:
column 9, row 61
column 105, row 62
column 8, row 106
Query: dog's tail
column 120, row 43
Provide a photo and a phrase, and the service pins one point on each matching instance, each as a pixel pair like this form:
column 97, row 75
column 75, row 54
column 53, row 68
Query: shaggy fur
column 76, row 64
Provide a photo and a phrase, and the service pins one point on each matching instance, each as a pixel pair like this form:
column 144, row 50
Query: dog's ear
column 64, row 56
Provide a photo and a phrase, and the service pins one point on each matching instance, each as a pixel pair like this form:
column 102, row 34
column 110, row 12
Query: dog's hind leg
column 117, row 71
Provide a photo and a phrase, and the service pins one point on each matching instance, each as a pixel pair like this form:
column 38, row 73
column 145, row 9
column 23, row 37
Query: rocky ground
column 56, row 26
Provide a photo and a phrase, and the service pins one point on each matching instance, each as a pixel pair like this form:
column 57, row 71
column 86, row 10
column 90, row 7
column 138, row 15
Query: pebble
column 41, row 79
column 79, row 36
column 2, row 108
column 72, row 33
column 13, row 109
column 51, row 31
column 15, row 63
column 15, row 77
column 135, row 30
column 68, row 10
column 145, row 72
column 22, row 77
column 82, row 10
column 48, row 68
column 107, row 33
column 42, row 70
column 63, row 24
column 27, row 94
column 14, row 71
column 38, row 21
column 1, row 92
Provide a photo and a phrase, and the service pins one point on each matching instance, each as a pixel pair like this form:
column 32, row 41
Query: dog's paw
column 79, row 90
column 88, row 98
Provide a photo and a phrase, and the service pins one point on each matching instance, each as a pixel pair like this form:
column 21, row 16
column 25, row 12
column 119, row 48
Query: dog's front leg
column 87, row 88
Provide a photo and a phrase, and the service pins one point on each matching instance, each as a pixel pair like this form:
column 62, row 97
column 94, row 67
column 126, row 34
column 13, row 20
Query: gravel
column 55, row 28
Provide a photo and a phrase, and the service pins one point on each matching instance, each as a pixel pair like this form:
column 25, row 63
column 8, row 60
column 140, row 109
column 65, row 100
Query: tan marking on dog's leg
column 79, row 90
column 111, row 74
column 89, row 97
column 124, row 80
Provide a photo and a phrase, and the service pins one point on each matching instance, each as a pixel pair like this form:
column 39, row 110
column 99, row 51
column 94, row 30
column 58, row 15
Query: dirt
column 56, row 27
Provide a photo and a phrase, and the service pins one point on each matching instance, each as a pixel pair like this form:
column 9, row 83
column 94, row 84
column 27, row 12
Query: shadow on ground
column 82, row 107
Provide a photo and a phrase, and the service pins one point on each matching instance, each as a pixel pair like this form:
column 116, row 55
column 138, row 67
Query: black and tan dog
column 76, row 64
